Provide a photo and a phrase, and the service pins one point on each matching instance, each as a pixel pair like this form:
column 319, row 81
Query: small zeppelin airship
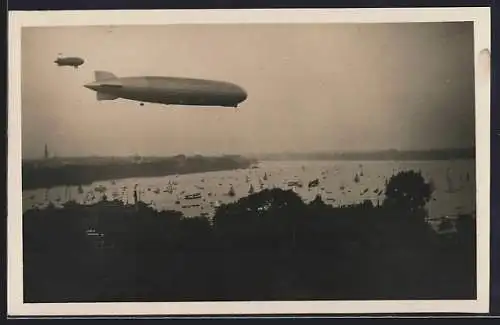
column 74, row 62
column 167, row 90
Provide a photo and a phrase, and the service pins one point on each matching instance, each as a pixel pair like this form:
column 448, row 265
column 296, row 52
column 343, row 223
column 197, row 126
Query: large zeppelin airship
column 167, row 90
column 74, row 62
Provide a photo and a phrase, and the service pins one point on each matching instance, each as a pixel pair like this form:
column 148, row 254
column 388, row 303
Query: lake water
column 454, row 183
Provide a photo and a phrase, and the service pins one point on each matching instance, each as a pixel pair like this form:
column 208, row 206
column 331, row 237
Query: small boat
column 356, row 178
column 313, row 183
column 192, row 196
column 251, row 190
column 190, row 206
column 294, row 183
column 265, row 177
column 100, row 189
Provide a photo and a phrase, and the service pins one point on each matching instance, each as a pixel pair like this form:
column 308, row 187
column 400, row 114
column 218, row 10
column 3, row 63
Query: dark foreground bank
column 267, row 246
column 80, row 171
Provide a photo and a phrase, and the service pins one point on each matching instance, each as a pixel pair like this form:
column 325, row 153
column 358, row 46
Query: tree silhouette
column 267, row 214
column 407, row 192
column 270, row 245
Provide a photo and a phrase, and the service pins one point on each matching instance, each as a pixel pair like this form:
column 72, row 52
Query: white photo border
column 482, row 40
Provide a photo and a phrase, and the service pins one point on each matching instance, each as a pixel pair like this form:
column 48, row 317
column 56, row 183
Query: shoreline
column 57, row 172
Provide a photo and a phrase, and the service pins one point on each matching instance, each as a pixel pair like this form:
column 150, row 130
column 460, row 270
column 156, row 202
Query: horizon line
column 334, row 152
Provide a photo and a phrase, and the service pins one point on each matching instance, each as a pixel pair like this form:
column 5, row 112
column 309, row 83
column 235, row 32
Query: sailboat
column 169, row 188
column 450, row 188
column 231, row 191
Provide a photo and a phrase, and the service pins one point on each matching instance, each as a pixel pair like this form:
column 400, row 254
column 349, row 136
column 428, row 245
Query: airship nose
column 243, row 94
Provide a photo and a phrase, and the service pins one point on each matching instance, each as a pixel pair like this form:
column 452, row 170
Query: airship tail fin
column 104, row 75
column 104, row 96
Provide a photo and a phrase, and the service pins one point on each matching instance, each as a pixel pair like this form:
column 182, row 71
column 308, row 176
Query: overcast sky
column 310, row 87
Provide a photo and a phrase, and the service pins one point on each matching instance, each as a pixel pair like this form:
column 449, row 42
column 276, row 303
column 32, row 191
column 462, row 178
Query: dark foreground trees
column 267, row 246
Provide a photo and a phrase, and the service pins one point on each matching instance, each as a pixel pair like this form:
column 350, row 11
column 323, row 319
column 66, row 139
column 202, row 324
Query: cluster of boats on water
column 209, row 193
